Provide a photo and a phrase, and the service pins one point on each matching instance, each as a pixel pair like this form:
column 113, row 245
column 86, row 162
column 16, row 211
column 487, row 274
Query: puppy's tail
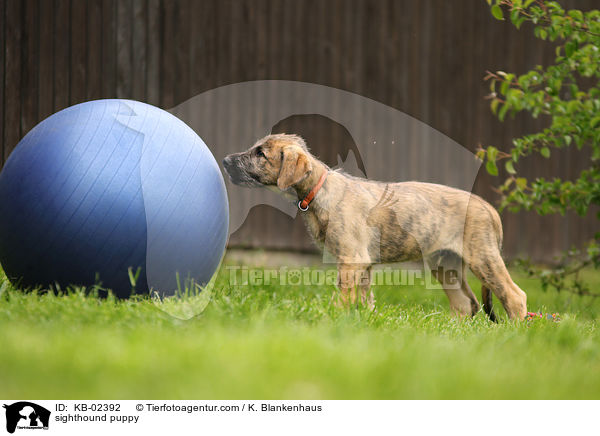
column 486, row 296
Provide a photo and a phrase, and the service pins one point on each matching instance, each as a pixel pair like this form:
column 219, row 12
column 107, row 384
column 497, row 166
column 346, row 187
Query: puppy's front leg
column 367, row 298
column 347, row 284
column 353, row 277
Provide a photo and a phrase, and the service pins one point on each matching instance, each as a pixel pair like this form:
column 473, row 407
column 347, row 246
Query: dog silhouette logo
column 26, row 415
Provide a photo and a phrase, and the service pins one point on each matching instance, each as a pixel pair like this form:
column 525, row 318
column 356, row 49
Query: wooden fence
column 426, row 58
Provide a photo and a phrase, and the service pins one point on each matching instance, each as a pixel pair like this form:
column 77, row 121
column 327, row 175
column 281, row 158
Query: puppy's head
column 280, row 160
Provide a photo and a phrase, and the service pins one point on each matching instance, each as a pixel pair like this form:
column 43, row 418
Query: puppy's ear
column 295, row 167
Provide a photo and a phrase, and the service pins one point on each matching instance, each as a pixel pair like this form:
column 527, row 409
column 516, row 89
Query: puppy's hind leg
column 490, row 269
column 449, row 269
column 486, row 296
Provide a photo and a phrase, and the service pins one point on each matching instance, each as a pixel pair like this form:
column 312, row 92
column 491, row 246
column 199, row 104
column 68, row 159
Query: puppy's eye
column 260, row 153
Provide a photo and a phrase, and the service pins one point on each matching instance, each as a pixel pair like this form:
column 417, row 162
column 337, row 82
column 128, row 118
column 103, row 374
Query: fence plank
column 153, row 53
column 30, row 66
column 167, row 58
column 46, row 60
column 109, row 49
column 94, row 50
column 12, row 91
column 138, row 47
column 181, row 37
column 123, row 49
column 62, row 31
column 2, row 70
column 79, row 49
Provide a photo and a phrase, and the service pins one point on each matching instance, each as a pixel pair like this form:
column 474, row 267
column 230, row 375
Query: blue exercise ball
column 107, row 187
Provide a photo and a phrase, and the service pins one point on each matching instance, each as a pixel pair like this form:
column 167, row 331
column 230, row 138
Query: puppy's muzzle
column 238, row 175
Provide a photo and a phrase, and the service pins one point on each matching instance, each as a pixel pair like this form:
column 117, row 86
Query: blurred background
column 426, row 58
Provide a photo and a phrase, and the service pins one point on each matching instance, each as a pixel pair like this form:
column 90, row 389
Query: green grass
column 289, row 342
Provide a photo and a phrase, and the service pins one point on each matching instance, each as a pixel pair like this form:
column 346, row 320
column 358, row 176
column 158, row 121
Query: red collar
column 303, row 204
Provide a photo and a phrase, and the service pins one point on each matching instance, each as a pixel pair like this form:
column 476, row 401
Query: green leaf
column 494, row 105
column 543, row 34
column 521, row 182
column 503, row 110
column 497, row 12
column 491, row 167
column 594, row 122
column 492, row 153
column 545, row 151
column 514, row 17
column 575, row 14
column 567, row 139
column 510, row 169
column 507, row 183
column 570, row 48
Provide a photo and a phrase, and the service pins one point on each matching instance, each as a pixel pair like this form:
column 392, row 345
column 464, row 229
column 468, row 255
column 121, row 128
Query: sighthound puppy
column 362, row 222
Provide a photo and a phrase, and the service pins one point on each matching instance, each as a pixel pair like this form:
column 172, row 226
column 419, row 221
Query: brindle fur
column 362, row 222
